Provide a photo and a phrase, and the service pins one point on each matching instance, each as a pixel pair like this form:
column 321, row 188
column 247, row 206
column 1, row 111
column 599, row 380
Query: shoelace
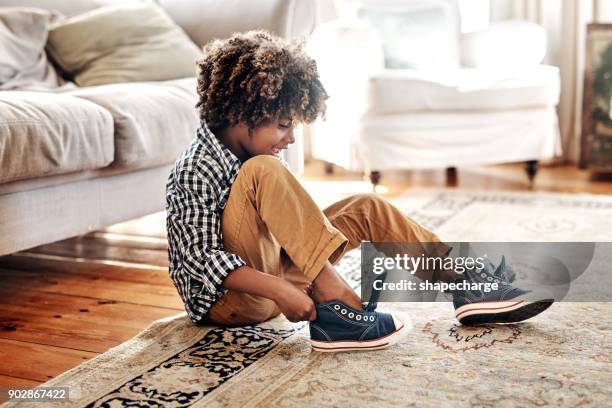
column 501, row 272
column 493, row 274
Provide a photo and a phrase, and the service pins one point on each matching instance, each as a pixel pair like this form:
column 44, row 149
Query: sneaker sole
column 500, row 312
column 360, row 345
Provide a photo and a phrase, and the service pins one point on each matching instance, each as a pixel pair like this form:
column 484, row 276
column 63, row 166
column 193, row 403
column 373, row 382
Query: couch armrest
column 503, row 45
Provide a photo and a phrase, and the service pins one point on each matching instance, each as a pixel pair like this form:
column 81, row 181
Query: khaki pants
column 276, row 227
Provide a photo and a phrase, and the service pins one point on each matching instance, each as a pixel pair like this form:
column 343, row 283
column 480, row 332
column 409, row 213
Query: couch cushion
column 131, row 42
column 399, row 91
column 154, row 121
column 43, row 134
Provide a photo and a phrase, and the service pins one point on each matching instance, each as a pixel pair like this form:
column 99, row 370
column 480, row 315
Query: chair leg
column 451, row 176
column 329, row 168
column 531, row 167
column 375, row 176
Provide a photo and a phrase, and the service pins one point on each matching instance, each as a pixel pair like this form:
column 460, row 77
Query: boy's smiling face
column 262, row 80
column 270, row 139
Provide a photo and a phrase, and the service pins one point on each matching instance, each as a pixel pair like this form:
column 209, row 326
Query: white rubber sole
column 366, row 345
column 514, row 310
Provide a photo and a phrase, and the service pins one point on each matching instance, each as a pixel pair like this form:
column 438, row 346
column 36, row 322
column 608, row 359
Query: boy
column 247, row 242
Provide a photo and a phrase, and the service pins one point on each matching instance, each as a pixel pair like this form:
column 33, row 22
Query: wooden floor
column 66, row 302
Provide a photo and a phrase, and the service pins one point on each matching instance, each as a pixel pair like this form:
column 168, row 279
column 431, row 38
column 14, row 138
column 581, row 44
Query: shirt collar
column 217, row 149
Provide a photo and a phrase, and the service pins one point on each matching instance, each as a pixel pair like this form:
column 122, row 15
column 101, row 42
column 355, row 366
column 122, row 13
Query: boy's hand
column 294, row 303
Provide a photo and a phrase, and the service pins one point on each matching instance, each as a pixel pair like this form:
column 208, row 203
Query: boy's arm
column 295, row 304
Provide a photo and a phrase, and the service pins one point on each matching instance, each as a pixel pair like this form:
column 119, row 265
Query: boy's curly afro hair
column 257, row 78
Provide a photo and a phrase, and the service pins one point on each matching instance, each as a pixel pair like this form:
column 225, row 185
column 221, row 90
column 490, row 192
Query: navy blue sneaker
column 507, row 304
column 339, row 327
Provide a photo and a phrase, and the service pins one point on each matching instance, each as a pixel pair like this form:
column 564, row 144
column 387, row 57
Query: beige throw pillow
column 122, row 43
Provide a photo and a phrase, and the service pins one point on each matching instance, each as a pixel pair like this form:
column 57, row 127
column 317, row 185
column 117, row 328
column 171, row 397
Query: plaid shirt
column 196, row 194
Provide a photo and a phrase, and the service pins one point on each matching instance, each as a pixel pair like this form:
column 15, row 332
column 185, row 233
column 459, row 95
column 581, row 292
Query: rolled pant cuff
column 330, row 251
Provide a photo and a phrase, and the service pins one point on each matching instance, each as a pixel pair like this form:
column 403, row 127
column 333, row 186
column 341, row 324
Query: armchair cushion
column 504, row 45
column 399, row 91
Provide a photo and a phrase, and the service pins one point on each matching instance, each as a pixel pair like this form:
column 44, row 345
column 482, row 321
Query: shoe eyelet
column 484, row 275
column 337, row 307
column 496, row 280
column 372, row 318
column 490, row 279
column 343, row 311
column 351, row 315
column 358, row 317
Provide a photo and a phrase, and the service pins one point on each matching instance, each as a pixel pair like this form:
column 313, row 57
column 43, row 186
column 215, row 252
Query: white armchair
column 455, row 99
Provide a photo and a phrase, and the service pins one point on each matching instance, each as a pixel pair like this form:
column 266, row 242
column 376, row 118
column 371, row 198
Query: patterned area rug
column 560, row 358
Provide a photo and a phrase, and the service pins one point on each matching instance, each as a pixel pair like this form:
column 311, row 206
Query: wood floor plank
column 512, row 176
column 8, row 381
column 15, row 382
column 67, row 332
column 38, row 362
column 52, row 304
column 93, row 270
column 95, row 250
column 72, row 321
column 99, row 288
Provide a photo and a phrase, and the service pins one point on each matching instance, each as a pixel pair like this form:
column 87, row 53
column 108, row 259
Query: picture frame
column 596, row 135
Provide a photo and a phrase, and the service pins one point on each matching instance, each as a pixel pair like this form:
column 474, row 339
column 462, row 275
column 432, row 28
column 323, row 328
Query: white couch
column 459, row 99
column 95, row 156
